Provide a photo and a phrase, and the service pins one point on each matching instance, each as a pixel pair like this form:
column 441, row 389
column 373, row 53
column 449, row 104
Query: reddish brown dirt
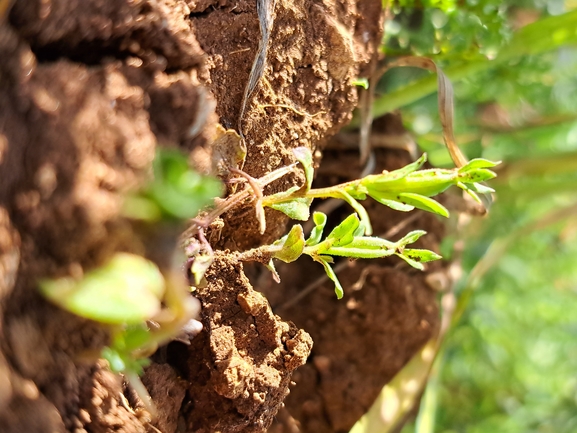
column 88, row 90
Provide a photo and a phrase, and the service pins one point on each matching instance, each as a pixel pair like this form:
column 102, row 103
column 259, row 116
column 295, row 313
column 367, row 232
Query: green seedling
column 404, row 190
column 345, row 240
column 142, row 306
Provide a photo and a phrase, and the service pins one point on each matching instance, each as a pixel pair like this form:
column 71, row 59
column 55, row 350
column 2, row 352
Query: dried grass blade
column 446, row 105
column 265, row 9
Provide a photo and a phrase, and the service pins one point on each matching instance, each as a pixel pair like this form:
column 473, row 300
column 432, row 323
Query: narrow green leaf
column 296, row 209
column 331, row 274
column 371, row 242
column 364, row 247
column 320, row 220
column 420, row 255
column 305, row 157
column 477, row 175
column 359, row 253
column 409, row 168
column 415, row 264
column 478, row 163
column 424, row 203
column 393, row 204
column 293, row 245
column 127, row 289
column 411, row 237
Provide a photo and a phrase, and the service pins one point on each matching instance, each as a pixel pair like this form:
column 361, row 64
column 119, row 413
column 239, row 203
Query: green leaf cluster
column 128, row 291
column 404, row 189
column 347, row 240
column 176, row 191
column 124, row 292
column 123, row 352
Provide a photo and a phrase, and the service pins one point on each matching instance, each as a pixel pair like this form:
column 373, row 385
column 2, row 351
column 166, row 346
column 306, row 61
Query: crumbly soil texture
column 88, row 91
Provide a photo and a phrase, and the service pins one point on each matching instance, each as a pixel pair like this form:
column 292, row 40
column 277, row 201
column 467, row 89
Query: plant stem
column 235, row 199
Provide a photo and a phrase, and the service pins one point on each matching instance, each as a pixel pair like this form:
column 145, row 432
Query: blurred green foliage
column 509, row 364
column 128, row 291
column 174, row 193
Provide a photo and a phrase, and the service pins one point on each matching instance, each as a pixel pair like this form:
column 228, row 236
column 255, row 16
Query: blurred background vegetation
column 509, row 362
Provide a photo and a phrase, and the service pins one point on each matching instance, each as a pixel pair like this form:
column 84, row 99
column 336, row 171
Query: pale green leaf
column 344, row 233
column 420, row 255
column 415, row 264
column 424, row 203
column 411, row 237
column 305, row 157
column 477, row 175
column 331, row 274
column 320, row 220
column 359, row 253
column 478, row 163
column 363, row 247
column 372, row 242
column 293, row 245
column 127, row 289
column 393, row 204
column 296, row 209
column 408, row 169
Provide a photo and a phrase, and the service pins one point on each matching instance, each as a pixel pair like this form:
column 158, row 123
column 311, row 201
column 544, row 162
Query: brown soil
column 88, row 90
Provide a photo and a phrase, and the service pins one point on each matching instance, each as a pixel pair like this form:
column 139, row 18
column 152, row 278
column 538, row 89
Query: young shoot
column 345, row 240
column 142, row 308
column 404, row 190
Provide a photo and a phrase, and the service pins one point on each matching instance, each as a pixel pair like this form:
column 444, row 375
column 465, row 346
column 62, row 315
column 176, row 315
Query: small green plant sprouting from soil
column 404, row 190
column 345, row 240
column 143, row 306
